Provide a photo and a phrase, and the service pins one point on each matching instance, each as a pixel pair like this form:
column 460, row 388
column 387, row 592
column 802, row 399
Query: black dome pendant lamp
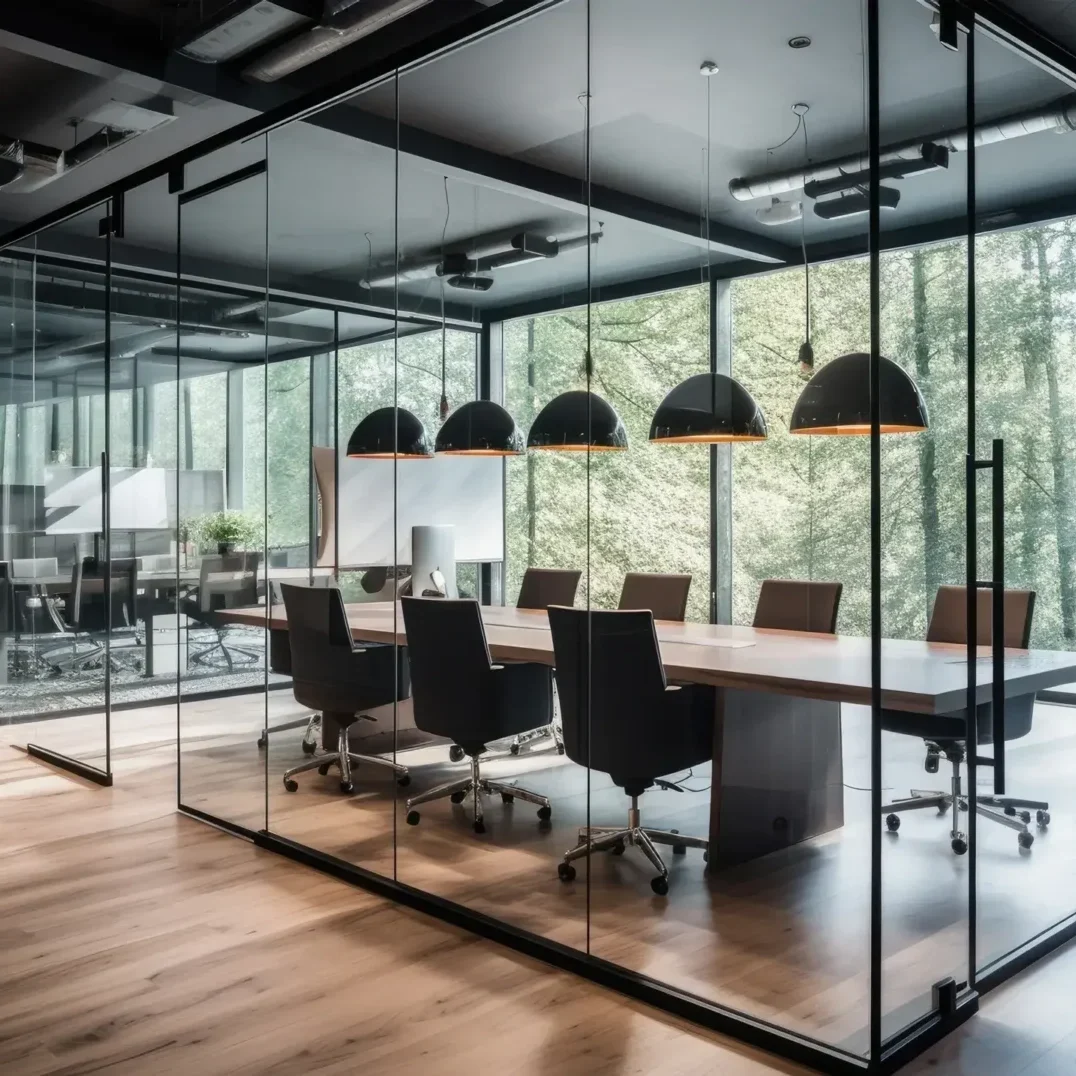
column 708, row 408
column 390, row 433
column 837, row 400
column 480, row 428
column 578, row 421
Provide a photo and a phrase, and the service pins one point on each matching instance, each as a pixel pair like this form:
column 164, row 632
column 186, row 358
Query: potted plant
column 228, row 531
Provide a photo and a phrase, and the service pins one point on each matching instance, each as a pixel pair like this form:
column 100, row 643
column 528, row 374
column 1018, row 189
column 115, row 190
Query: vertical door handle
column 997, row 633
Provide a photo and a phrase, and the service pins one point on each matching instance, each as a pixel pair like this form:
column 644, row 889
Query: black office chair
column 945, row 734
column 280, row 663
column 334, row 676
column 798, row 605
column 89, row 623
column 665, row 595
column 225, row 581
column 460, row 694
column 541, row 588
column 622, row 717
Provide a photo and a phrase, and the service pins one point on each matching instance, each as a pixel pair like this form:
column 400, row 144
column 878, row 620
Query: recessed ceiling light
column 800, row 41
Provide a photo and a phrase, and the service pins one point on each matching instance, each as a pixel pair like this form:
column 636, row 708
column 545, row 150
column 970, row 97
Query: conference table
column 777, row 765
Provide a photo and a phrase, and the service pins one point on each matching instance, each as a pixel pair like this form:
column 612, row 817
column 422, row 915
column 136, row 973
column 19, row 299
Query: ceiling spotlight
column 778, row 212
column 800, row 41
column 708, row 68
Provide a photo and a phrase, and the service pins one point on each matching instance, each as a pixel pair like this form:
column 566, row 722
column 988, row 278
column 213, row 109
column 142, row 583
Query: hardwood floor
column 138, row 941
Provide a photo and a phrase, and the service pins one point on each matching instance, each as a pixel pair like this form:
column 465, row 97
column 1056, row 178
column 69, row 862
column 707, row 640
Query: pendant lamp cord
column 803, row 238
column 444, row 340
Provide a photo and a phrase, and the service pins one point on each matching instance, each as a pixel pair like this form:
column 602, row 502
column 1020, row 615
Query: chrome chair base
column 344, row 758
column 546, row 738
column 1008, row 811
column 476, row 786
column 310, row 737
column 606, row 839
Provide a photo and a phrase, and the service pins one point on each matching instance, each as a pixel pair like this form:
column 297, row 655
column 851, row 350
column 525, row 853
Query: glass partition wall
column 560, row 516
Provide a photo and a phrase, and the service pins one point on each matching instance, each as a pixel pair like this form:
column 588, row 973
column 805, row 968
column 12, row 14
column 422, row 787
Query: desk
column 777, row 769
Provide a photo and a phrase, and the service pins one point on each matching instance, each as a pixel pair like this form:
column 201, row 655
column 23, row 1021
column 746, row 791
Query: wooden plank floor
column 137, row 941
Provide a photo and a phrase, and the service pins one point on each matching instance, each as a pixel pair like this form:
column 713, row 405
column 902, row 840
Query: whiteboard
column 466, row 492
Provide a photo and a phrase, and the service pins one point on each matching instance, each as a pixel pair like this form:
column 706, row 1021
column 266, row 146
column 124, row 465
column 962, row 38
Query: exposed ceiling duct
column 26, row 166
column 344, row 23
column 464, row 270
column 1060, row 116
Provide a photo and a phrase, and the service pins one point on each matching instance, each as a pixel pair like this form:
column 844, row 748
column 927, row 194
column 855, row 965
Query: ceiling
column 501, row 124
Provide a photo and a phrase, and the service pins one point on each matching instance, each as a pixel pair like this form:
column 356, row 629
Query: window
column 649, row 507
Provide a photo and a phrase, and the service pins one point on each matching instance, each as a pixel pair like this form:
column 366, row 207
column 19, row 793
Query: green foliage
column 231, row 528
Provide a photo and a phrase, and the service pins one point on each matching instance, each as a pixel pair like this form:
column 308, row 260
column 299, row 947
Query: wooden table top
column 916, row 676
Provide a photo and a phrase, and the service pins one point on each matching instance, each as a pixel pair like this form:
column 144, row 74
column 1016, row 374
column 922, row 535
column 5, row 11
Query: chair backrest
column 543, row 587
column 798, row 605
column 664, row 595
column 450, row 667
column 34, row 567
column 608, row 665
column 328, row 672
column 86, row 608
column 7, row 599
column 949, row 624
column 228, row 581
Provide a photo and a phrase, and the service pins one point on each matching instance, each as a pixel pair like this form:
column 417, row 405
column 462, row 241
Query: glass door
column 59, row 642
column 1025, row 505
column 221, row 480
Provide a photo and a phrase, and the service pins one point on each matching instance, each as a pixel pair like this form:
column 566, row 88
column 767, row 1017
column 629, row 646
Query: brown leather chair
column 339, row 679
column 543, row 587
column 665, row 595
column 798, row 605
column 946, row 734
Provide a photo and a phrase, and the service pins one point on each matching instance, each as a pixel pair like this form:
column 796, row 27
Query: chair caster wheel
column 323, row 769
column 566, row 872
column 455, row 753
column 479, row 826
column 679, row 849
column 560, row 749
column 1010, row 811
column 262, row 741
column 943, row 809
column 403, row 780
column 892, row 822
column 618, row 849
column 1043, row 818
column 1025, row 839
column 514, row 749
column 291, row 786
column 507, row 797
column 660, row 885
column 457, row 797
column 959, row 845
column 1025, row 817
column 706, row 856
column 413, row 817
column 346, row 787
column 545, row 814
column 309, row 748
